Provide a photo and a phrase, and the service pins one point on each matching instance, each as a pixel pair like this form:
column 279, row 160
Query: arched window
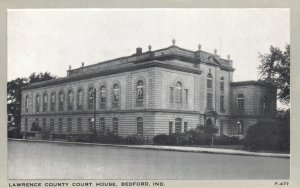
column 116, row 96
column 139, row 125
column 37, row 103
column 80, row 99
column 45, row 102
column 222, row 84
column 102, row 97
column 91, row 98
column 209, row 80
column 178, row 125
column 26, row 104
column 209, row 100
column 240, row 102
column 70, row 100
column 52, row 102
column 79, row 125
column 61, row 101
column 179, row 92
column 115, row 125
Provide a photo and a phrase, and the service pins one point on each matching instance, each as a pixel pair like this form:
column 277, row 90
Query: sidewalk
column 174, row 148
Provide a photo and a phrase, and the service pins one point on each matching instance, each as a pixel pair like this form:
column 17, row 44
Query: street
column 41, row 160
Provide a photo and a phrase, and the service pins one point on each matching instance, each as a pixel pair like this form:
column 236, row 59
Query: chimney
column 139, row 50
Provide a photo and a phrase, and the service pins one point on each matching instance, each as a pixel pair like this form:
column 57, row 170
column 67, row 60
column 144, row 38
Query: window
column 171, row 94
column 209, row 100
column 139, row 125
column 69, row 125
column 140, row 90
column 222, row 109
column 222, row 84
column 178, row 92
column 264, row 106
column 240, row 102
column 221, row 130
column 170, row 127
column 45, row 102
column 26, row 104
column 61, row 101
column 70, row 100
column 116, row 96
column 37, row 103
column 52, row 102
column 185, row 128
column 80, row 99
column 60, row 125
column 51, row 124
column 177, row 125
column 37, row 121
column 186, row 95
column 44, row 124
column 209, row 80
column 90, row 123
column 79, row 125
column 240, row 128
column 115, row 125
column 91, row 98
column 102, row 125
column 102, row 97
column 26, row 125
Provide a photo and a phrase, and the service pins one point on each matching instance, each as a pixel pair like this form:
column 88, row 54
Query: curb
column 171, row 148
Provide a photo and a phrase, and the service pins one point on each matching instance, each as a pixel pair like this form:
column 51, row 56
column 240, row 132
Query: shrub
column 226, row 140
column 269, row 136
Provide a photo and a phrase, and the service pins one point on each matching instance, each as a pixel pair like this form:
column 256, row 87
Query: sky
column 52, row 39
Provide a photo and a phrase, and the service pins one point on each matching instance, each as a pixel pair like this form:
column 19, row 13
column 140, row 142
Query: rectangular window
column 44, row 124
column 186, row 95
column 209, row 100
column 90, row 120
column 60, row 125
column 240, row 128
column 222, row 109
column 170, row 127
column 69, row 126
column 221, row 130
column 185, row 128
column 26, row 125
column 102, row 125
column 79, row 125
column 51, row 124
column 140, row 126
column 115, row 126
column 171, row 94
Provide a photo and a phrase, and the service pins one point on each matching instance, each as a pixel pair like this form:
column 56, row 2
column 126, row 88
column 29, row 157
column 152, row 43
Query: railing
column 171, row 51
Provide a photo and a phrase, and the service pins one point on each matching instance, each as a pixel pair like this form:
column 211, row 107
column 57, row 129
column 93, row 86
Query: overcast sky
column 51, row 40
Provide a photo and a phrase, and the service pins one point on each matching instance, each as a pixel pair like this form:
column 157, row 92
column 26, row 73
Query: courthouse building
column 165, row 91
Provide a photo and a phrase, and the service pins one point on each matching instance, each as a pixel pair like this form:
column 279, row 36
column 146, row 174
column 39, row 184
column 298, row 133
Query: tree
column 14, row 94
column 275, row 69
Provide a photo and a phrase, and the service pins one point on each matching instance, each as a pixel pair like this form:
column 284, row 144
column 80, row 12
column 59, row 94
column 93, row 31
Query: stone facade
column 150, row 93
